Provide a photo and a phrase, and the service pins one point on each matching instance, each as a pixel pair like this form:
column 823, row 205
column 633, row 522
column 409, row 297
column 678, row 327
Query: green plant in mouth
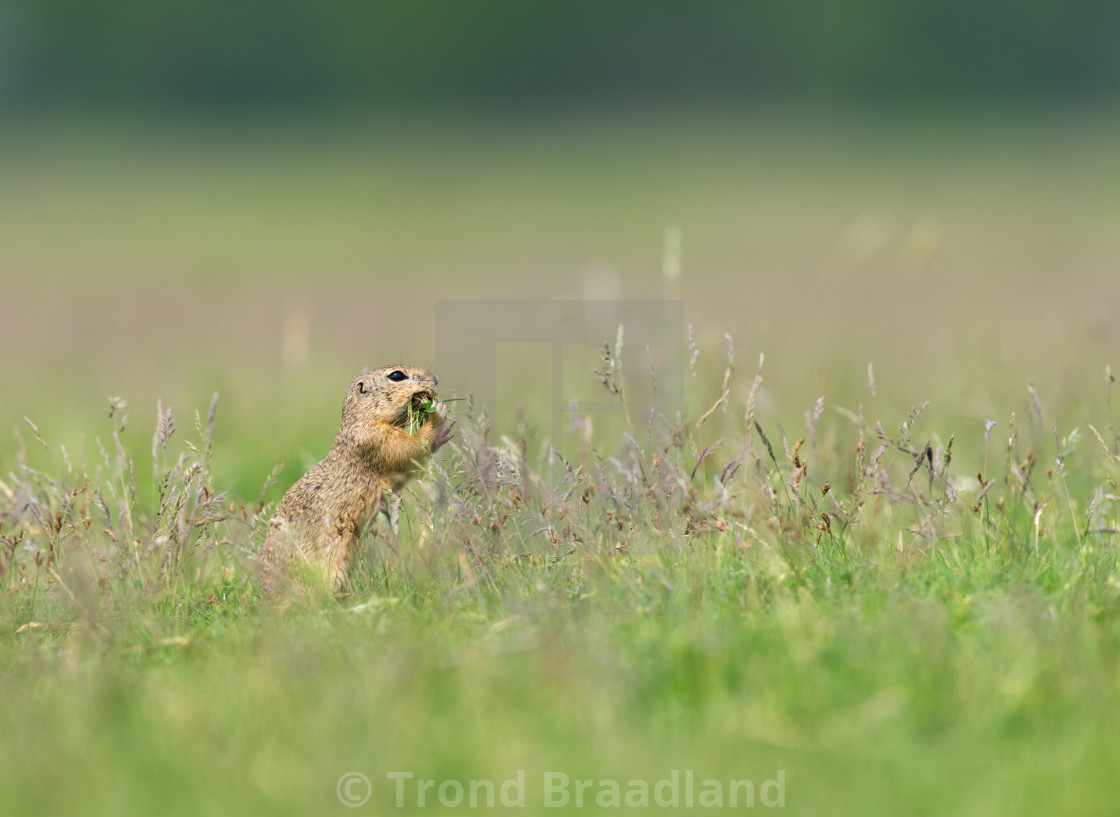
column 419, row 408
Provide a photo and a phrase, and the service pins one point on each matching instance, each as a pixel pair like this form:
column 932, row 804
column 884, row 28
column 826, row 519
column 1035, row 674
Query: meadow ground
column 885, row 588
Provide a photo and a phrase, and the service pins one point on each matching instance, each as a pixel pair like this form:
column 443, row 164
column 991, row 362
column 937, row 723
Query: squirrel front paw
column 443, row 436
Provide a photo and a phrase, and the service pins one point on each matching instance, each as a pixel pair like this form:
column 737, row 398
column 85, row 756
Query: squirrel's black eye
column 397, row 376
column 361, row 387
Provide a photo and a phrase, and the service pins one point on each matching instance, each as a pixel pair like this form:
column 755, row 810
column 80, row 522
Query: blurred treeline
column 288, row 54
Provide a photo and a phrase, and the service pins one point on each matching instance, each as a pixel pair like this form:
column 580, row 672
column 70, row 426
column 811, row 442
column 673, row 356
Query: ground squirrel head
column 383, row 397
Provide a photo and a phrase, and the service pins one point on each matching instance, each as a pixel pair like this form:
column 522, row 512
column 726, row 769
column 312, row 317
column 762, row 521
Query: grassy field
column 867, row 589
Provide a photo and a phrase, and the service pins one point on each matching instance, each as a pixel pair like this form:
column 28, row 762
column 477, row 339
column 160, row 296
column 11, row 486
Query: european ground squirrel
column 389, row 428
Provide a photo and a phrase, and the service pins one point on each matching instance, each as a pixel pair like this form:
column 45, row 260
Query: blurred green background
column 262, row 198
column 504, row 54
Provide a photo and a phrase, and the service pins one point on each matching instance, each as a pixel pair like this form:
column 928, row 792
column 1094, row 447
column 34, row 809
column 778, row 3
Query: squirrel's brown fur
column 315, row 530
